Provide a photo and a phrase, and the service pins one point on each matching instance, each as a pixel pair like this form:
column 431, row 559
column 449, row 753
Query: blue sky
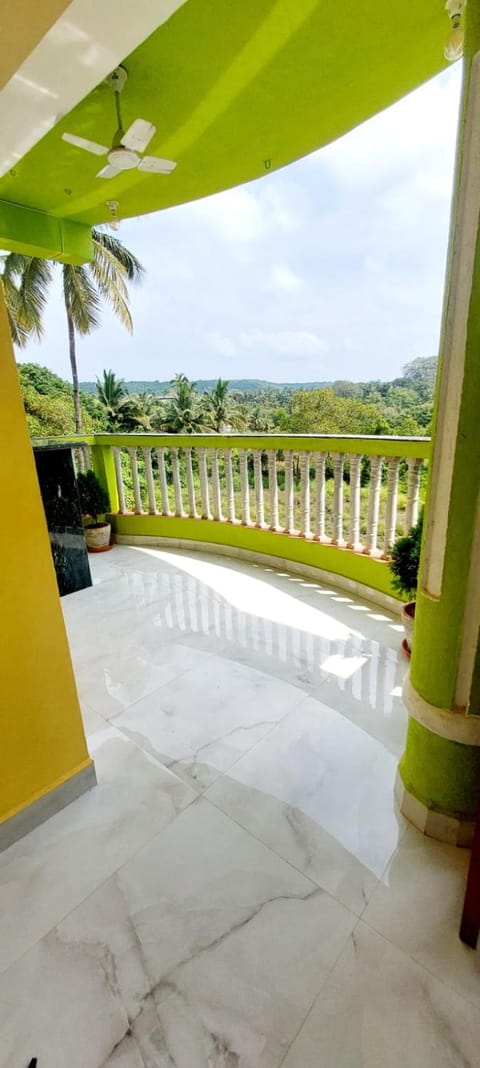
column 330, row 268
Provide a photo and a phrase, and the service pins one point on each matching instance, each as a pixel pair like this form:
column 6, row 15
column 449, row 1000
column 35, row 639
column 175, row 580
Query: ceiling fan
column 127, row 148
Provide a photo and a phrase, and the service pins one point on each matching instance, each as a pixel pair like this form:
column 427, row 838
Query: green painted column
column 104, row 467
column 438, row 786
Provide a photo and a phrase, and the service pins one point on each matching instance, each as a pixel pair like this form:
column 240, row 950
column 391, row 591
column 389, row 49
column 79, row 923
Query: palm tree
column 111, row 395
column 183, row 413
column 26, row 280
column 221, row 408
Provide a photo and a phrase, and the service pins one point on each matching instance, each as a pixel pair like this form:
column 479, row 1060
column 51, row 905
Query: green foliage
column 48, row 404
column 405, row 560
column 321, row 411
column 94, row 500
column 183, row 413
column 221, row 409
column 43, row 381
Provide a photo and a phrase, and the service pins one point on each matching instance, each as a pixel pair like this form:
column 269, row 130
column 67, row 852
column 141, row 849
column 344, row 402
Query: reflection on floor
column 239, row 891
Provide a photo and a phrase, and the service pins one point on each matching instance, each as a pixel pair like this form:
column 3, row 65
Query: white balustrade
column 320, row 461
column 217, row 493
column 246, row 519
column 192, row 504
column 203, row 473
column 373, row 504
column 162, row 474
column 305, row 495
column 227, row 455
column 393, row 465
column 258, row 481
column 289, row 490
column 413, row 491
column 355, row 484
column 177, row 485
column 338, row 459
column 209, row 475
column 135, row 480
column 273, row 489
column 152, row 503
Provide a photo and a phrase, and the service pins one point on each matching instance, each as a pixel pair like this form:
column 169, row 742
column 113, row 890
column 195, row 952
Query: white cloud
column 285, row 342
column 237, row 215
column 221, row 344
column 247, row 214
column 411, row 134
column 285, row 279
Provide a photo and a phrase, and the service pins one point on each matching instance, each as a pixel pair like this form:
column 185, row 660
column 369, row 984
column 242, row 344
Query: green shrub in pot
column 94, row 503
column 404, row 565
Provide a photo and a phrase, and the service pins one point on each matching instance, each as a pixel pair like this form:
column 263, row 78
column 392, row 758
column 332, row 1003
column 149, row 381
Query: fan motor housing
column 123, row 159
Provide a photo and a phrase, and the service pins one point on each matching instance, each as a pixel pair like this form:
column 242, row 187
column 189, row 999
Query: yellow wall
column 42, row 743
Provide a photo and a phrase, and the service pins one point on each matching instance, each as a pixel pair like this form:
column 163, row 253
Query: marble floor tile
column 418, row 904
column 379, row 1009
column 203, row 721
column 92, row 722
column 146, row 926
column 46, row 874
column 319, row 791
column 204, row 951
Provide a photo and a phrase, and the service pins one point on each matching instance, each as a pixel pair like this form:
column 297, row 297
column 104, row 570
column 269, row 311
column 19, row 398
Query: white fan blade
column 89, row 146
column 139, row 135
column 155, row 165
column 108, row 172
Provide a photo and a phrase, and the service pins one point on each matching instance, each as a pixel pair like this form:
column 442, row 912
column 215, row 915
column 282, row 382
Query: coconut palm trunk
column 72, row 351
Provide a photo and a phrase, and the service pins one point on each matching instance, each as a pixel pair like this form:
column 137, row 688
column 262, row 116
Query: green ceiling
column 230, row 84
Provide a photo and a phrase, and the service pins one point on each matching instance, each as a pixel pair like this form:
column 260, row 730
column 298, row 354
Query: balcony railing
column 327, row 492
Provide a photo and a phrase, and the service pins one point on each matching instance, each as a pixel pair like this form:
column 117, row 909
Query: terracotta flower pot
column 407, row 613
column 97, row 537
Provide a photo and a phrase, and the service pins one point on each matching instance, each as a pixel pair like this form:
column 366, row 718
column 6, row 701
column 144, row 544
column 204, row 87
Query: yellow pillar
column 44, row 762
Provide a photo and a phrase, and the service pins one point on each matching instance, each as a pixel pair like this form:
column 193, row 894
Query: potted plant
column 404, row 564
column 94, row 503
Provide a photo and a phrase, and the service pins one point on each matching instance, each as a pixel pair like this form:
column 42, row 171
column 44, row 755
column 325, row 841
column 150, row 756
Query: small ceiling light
column 114, row 221
column 453, row 48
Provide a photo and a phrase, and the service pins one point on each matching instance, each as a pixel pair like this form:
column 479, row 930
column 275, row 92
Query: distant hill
column 243, row 385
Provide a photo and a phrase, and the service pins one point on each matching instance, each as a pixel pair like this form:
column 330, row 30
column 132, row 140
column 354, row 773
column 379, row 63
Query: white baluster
column 163, row 481
column 305, row 531
column 217, row 493
column 337, row 539
column 413, row 491
column 273, row 489
column 354, row 524
column 203, row 472
column 117, row 459
column 177, row 486
column 152, row 504
column 320, row 460
column 289, row 498
column 136, row 484
column 391, row 509
column 246, row 519
column 231, row 517
column 192, row 504
column 373, row 504
column 257, row 472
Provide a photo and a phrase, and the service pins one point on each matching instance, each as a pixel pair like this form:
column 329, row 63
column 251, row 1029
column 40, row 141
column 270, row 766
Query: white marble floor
column 239, row 891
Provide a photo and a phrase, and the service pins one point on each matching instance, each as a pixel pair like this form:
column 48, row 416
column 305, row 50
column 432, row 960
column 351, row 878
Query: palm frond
column 81, row 298
column 26, row 281
column 107, row 244
column 109, row 278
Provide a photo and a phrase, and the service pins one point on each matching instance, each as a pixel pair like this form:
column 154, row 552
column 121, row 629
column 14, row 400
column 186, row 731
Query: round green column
column 438, row 783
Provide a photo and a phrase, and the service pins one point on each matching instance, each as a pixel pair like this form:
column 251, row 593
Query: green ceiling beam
column 34, row 233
